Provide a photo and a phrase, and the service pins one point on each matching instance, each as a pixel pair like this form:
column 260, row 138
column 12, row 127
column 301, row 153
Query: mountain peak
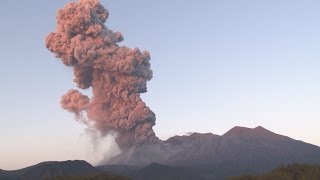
column 253, row 133
column 237, row 130
column 260, row 128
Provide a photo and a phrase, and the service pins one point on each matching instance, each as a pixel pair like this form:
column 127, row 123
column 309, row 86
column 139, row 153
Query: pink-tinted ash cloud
column 117, row 74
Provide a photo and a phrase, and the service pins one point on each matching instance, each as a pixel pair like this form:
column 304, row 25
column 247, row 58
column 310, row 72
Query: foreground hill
column 241, row 150
column 289, row 172
column 156, row 171
column 50, row 170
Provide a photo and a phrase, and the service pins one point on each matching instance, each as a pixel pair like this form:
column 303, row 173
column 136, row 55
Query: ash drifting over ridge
column 117, row 74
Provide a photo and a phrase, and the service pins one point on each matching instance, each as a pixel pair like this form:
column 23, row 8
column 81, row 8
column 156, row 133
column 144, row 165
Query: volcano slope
column 239, row 151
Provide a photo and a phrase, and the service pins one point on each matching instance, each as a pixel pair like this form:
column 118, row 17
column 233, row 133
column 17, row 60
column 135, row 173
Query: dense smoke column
column 116, row 74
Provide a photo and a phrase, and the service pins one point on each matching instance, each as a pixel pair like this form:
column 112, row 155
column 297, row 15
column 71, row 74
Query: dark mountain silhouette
column 157, row 171
column 154, row 171
column 50, row 170
column 125, row 170
column 196, row 156
column 292, row 171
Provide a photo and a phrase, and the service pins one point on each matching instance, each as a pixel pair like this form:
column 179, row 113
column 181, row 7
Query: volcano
column 199, row 156
column 241, row 150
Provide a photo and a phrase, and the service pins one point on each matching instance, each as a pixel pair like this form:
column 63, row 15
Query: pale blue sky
column 216, row 63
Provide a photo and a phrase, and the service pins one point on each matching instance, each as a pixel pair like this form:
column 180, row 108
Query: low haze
column 216, row 65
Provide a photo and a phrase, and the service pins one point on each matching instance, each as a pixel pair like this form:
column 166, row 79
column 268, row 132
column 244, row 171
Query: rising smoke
column 117, row 74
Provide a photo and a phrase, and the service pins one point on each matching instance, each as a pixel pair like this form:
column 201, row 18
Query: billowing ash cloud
column 116, row 74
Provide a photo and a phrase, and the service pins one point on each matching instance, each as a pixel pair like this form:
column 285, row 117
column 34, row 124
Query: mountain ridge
column 239, row 151
column 258, row 131
column 50, row 169
column 252, row 149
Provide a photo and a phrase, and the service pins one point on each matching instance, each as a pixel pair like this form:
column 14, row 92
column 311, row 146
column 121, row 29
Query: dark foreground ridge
column 54, row 170
column 238, row 152
column 292, row 171
column 51, row 169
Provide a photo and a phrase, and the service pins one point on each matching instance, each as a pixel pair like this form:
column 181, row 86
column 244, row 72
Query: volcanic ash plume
column 116, row 74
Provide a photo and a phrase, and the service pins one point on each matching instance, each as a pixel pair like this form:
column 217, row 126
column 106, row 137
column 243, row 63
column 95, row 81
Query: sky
column 217, row 64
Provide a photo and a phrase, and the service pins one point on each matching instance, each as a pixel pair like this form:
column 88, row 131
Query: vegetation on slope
column 289, row 172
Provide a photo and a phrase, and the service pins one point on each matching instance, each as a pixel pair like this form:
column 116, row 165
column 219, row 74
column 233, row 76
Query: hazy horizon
column 216, row 65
